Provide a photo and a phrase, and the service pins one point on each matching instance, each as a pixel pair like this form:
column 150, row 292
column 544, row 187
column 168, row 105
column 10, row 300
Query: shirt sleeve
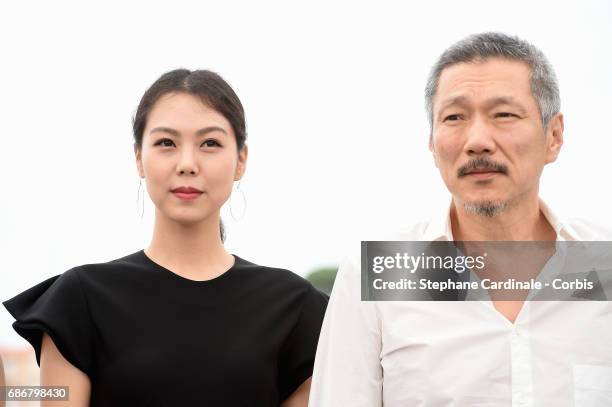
column 347, row 370
column 58, row 307
column 298, row 353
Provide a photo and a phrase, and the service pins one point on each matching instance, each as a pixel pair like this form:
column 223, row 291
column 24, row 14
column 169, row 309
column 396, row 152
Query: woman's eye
column 452, row 117
column 211, row 143
column 166, row 142
column 162, row 141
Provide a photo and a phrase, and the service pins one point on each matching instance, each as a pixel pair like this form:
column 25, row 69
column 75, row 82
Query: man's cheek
column 445, row 158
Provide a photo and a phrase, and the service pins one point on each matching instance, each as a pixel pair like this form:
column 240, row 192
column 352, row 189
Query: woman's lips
column 187, row 196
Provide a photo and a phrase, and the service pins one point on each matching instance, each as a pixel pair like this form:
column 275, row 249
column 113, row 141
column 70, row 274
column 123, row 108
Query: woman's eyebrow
column 176, row 133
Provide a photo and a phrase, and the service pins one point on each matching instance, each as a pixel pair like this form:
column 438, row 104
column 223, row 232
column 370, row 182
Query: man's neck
column 520, row 222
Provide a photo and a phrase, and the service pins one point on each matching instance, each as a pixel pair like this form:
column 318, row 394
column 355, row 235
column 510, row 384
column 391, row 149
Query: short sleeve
column 298, row 353
column 58, row 307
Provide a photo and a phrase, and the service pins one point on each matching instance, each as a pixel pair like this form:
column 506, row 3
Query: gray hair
column 479, row 47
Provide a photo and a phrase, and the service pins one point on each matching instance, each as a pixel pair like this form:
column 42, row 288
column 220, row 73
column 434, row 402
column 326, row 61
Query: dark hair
column 211, row 88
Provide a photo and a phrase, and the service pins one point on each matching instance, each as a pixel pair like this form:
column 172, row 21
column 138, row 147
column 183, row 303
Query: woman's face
column 188, row 144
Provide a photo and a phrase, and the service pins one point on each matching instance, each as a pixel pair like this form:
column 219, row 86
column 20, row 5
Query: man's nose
column 480, row 137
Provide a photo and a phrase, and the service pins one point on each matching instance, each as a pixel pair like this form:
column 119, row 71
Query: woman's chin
column 187, row 217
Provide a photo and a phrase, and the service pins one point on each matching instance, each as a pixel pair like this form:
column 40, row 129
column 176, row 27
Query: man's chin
column 485, row 207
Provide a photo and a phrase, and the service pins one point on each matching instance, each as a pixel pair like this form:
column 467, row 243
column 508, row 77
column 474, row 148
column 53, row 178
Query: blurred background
column 337, row 134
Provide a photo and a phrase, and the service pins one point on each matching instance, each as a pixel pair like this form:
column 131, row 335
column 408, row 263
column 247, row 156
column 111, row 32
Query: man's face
column 487, row 139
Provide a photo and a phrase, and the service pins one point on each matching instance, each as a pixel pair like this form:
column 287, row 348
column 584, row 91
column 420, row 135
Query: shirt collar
column 440, row 228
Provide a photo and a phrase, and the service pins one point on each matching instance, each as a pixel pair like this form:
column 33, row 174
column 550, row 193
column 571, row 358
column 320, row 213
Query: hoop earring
column 244, row 204
column 138, row 206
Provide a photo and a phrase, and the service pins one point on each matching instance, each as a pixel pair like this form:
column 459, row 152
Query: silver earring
column 233, row 210
column 138, row 198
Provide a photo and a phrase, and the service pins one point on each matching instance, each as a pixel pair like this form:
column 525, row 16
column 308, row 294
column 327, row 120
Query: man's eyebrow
column 506, row 100
column 493, row 102
column 200, row 132
column 456, row 100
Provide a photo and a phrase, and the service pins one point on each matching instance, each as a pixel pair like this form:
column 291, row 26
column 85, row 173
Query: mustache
column 481, row 163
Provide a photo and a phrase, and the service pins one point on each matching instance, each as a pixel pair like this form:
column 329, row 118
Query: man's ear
column 554, row 137
column 138, row 154
column 242, row 160
column 432, row 150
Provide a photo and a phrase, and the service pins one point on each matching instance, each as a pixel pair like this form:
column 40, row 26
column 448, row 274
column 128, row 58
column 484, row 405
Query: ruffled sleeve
column 58, row 307
column 297, row 357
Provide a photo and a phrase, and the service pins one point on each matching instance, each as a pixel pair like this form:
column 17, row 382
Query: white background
column 333, row 93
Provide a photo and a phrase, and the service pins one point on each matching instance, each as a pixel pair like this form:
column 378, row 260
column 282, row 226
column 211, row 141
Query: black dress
column 146, row 336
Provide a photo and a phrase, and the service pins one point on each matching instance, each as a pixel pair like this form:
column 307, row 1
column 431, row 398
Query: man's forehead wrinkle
column 472, row 86
column 467, row 93
column 456, row 88
column 488, row 73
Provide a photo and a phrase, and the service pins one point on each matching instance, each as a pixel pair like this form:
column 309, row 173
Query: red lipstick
column 186, row 193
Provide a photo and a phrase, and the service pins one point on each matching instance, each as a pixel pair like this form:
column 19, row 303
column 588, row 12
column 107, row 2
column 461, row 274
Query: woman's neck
column 192, row 250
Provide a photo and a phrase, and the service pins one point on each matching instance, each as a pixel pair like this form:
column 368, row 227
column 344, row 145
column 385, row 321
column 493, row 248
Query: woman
column 182, row 322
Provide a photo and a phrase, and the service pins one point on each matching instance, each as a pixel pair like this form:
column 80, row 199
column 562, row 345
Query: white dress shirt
column 443, row 354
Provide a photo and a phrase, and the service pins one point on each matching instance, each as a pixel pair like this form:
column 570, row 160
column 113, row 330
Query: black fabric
column 146, row 336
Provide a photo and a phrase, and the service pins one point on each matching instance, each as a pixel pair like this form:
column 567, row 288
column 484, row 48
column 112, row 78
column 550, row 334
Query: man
column 1, row 381
column 493, row 105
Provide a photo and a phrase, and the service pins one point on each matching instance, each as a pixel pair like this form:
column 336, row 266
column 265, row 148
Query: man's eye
column 211, row 143
column 452, row 117
column 163, row 141
column 505, row 114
